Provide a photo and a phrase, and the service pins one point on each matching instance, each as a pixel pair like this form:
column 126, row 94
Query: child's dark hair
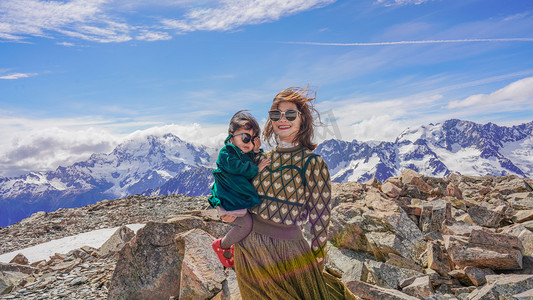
column 242, row 119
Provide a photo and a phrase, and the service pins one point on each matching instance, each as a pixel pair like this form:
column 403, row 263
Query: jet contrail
column 414, row 42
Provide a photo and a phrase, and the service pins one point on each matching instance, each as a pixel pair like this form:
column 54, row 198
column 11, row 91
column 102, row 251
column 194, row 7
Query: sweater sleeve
column 230, row 161
column 319, row 205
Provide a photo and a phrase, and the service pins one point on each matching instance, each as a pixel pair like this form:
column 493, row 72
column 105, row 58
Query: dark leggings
column 242, row 226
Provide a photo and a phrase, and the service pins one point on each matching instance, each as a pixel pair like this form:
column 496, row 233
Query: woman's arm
column 319, row 205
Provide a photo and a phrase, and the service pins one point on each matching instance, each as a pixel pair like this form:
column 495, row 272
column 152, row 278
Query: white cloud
column 212, row 136
column 515, row 93
column 415, row 42
column 84, row 19
column 234, row 13
column 48, row 148
column 18, row 76
column 400, row 2
column 66, row 44
column 104, row 21
column 43, row 145
column 151, row 36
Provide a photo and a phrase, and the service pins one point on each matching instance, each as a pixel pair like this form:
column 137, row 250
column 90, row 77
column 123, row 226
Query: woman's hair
column 302, row 97
column 242, row 119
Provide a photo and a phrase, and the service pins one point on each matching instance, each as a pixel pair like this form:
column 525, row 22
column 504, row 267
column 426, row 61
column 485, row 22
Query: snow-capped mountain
column 162, row 165
column 133, row 167
column 437, row 150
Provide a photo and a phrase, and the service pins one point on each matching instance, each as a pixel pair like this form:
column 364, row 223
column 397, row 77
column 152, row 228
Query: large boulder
column 485, row 250
column 201, row 272
column 150, row 266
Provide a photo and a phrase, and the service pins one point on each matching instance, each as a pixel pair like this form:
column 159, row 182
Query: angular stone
column 523, row 215
column 511, row 184
column 345, row 229
column 463, row 254
column 450, row 227
column 384, row 275
column 433, row 214
column 374, row 182
column 402, row 262
column 413, row 178
column 17, row 268
column 201, row 272
column 477, row 275
column 345, row 263
column 482, row 237
column 420, row 288
column 461, row 276
column 486, row 215
column 503, row 287
column 524, row 295
column 391, row 190
column 372, row 292
column 521, row 201
column 526, row 237
column 465, row 218
column 454, row 191
column 8, row 281
column 19, row 259
column 438, row 260
column 121, row 236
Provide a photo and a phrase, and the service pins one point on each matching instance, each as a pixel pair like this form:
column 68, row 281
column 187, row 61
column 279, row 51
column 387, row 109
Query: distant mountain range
column 166, row 165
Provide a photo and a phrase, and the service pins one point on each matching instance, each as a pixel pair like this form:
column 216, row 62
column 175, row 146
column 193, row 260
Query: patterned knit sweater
column 290, row 198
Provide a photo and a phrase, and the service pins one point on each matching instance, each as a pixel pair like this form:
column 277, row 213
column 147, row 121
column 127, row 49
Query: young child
column 232, row 193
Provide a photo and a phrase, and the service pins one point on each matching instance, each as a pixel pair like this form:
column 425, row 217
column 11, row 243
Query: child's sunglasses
column 290, row 115
column 246, row 137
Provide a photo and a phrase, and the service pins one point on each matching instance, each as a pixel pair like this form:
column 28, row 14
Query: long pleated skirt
column 275, row 262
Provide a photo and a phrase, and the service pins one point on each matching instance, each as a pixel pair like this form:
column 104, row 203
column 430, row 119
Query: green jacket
column 233, row 188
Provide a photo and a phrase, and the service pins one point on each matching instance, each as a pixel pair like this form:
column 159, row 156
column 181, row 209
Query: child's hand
column 257, row 144
column 263, row 163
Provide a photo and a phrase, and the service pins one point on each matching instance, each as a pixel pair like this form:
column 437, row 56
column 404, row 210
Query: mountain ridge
column 165, row 164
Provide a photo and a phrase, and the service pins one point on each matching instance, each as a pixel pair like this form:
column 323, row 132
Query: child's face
column 237, row 140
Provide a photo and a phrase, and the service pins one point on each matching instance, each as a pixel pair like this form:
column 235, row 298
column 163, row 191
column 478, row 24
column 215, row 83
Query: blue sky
column 78, row 77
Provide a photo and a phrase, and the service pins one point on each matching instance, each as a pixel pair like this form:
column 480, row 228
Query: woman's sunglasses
column 246, row 137
column 290, row 115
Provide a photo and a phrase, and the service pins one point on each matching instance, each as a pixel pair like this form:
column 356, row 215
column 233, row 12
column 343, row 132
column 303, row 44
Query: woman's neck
column 283, row 144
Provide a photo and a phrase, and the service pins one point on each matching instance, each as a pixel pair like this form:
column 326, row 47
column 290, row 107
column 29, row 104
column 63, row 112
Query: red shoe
column 228, row 263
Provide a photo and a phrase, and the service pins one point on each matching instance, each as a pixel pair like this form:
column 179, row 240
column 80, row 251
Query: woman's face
column 287, row 130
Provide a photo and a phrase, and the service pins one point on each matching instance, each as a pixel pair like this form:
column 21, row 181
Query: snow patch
column 95, row 239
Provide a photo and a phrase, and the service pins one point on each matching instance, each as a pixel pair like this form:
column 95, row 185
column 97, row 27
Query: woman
column 275, row 261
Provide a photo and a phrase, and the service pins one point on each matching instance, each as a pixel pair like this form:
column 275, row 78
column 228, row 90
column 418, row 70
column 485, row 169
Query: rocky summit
column 409, row 237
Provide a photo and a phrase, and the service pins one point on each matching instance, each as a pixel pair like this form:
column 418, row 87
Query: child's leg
column 243, row 227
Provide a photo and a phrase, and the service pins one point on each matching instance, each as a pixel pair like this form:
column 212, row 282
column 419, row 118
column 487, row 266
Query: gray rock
column 121, row 236
column 503, row 287
column 384, row 275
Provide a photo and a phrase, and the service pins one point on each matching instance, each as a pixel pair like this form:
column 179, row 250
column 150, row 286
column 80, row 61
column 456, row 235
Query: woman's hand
column 228, row 218
column 263, row 163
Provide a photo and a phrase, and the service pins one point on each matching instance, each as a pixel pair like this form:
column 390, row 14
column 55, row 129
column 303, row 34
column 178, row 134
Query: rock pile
column 460, row 237
column 80, row 274
column 410, row 237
